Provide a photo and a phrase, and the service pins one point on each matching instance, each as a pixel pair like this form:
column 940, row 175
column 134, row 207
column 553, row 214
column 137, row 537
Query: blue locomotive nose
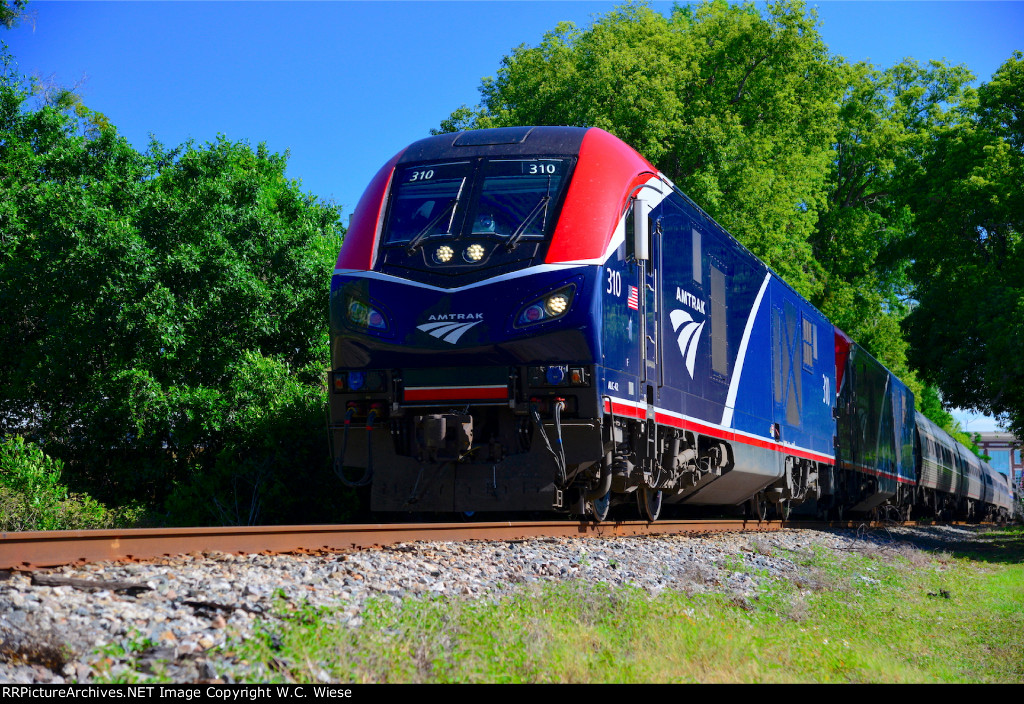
column 477, row 324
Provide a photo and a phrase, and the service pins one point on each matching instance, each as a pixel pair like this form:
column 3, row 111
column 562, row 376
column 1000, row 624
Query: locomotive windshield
column 425, row 201
column 510, row 199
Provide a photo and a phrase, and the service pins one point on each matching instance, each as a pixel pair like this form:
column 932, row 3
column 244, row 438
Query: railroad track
column 39, row 549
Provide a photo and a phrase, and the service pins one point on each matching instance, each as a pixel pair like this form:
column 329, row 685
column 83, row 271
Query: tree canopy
column 164, row 312
column 887, row 119
column 967, row 329
column 12, row 12
column 738, row 109
column 822, row 168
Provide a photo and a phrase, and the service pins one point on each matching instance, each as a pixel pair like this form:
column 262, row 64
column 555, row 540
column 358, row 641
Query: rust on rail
column 31, row 550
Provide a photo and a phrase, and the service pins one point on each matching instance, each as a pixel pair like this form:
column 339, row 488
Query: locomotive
column 536, row 318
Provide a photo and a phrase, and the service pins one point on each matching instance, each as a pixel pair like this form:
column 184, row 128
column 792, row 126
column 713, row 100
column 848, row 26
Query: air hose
column 559, row 457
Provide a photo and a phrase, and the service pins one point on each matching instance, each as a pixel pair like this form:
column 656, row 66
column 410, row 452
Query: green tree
column 929, row 402
column 808, row 160
column 886, row 121
column 164, row 313
column 12, row 12
column 737, row 108
column 967, row 330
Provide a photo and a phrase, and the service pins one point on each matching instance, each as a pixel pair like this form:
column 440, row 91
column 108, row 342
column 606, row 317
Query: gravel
column 187, row 606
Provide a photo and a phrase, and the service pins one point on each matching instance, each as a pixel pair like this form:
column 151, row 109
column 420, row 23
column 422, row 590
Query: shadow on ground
column 1003, row 545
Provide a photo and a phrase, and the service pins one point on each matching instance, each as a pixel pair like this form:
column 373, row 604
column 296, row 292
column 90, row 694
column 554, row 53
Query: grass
column 895, row 614
column 879, row 615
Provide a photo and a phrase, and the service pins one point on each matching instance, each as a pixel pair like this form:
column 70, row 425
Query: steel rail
column 38, row 549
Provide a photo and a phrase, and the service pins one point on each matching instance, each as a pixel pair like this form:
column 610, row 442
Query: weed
column 734, row 563
column 132, row 649
column 45, row 650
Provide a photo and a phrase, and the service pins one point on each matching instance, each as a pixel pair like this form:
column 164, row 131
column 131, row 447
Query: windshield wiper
column 414, row 243
column 541, row 207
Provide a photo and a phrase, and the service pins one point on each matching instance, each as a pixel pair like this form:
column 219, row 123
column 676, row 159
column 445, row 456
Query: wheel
column 757, row 509
column 781, row 510
column 649, row 502
column 599, row 507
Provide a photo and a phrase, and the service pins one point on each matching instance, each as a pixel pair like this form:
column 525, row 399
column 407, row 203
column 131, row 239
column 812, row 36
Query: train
column 535, row 319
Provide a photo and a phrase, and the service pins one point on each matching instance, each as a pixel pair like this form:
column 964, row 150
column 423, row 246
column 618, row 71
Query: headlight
column 556, row 304
column 547, row 308
column 366, row 316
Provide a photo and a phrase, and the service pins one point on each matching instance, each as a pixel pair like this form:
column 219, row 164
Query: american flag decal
column 633, row 301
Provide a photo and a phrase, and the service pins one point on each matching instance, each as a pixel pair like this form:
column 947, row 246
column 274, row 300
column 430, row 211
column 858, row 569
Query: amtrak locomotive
column 532, row 318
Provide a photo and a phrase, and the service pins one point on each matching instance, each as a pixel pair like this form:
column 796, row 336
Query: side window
column 810, row 347
column 674, row 222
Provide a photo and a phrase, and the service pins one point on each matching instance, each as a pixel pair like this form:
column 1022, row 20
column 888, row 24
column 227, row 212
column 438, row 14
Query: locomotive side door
column 651, row 294
column 648, row 296
column 647, row 229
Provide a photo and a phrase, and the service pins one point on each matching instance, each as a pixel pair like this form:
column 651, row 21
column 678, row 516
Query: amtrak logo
column 688, row 299
column 687, row 335
column 451, row 327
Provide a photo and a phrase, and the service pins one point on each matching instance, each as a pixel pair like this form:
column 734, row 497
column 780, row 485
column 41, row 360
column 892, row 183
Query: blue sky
column 342, row 86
